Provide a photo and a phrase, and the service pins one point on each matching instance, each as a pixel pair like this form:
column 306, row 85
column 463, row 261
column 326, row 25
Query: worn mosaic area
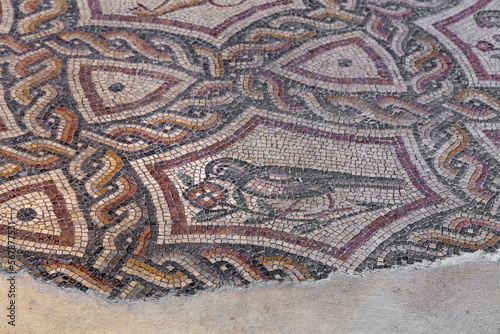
column 158, row 146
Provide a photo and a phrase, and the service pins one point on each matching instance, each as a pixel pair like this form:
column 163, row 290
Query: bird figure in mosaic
column 284, row 192
column 288, row 182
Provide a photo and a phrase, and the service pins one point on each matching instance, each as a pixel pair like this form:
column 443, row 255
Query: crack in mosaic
column 171, row 146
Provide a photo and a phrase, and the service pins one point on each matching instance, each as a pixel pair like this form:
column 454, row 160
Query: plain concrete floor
column 458, row 295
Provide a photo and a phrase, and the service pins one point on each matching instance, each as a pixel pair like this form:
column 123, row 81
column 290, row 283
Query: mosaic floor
column 166, row 146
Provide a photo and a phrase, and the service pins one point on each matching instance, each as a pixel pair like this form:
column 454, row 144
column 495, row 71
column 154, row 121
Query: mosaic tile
column 170, row 146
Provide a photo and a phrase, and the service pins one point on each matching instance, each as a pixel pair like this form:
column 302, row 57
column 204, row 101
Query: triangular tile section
column 110, row 91
column 351, row 62
column 40, row 213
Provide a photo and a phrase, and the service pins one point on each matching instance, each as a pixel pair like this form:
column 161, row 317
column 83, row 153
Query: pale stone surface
column 460, row 295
